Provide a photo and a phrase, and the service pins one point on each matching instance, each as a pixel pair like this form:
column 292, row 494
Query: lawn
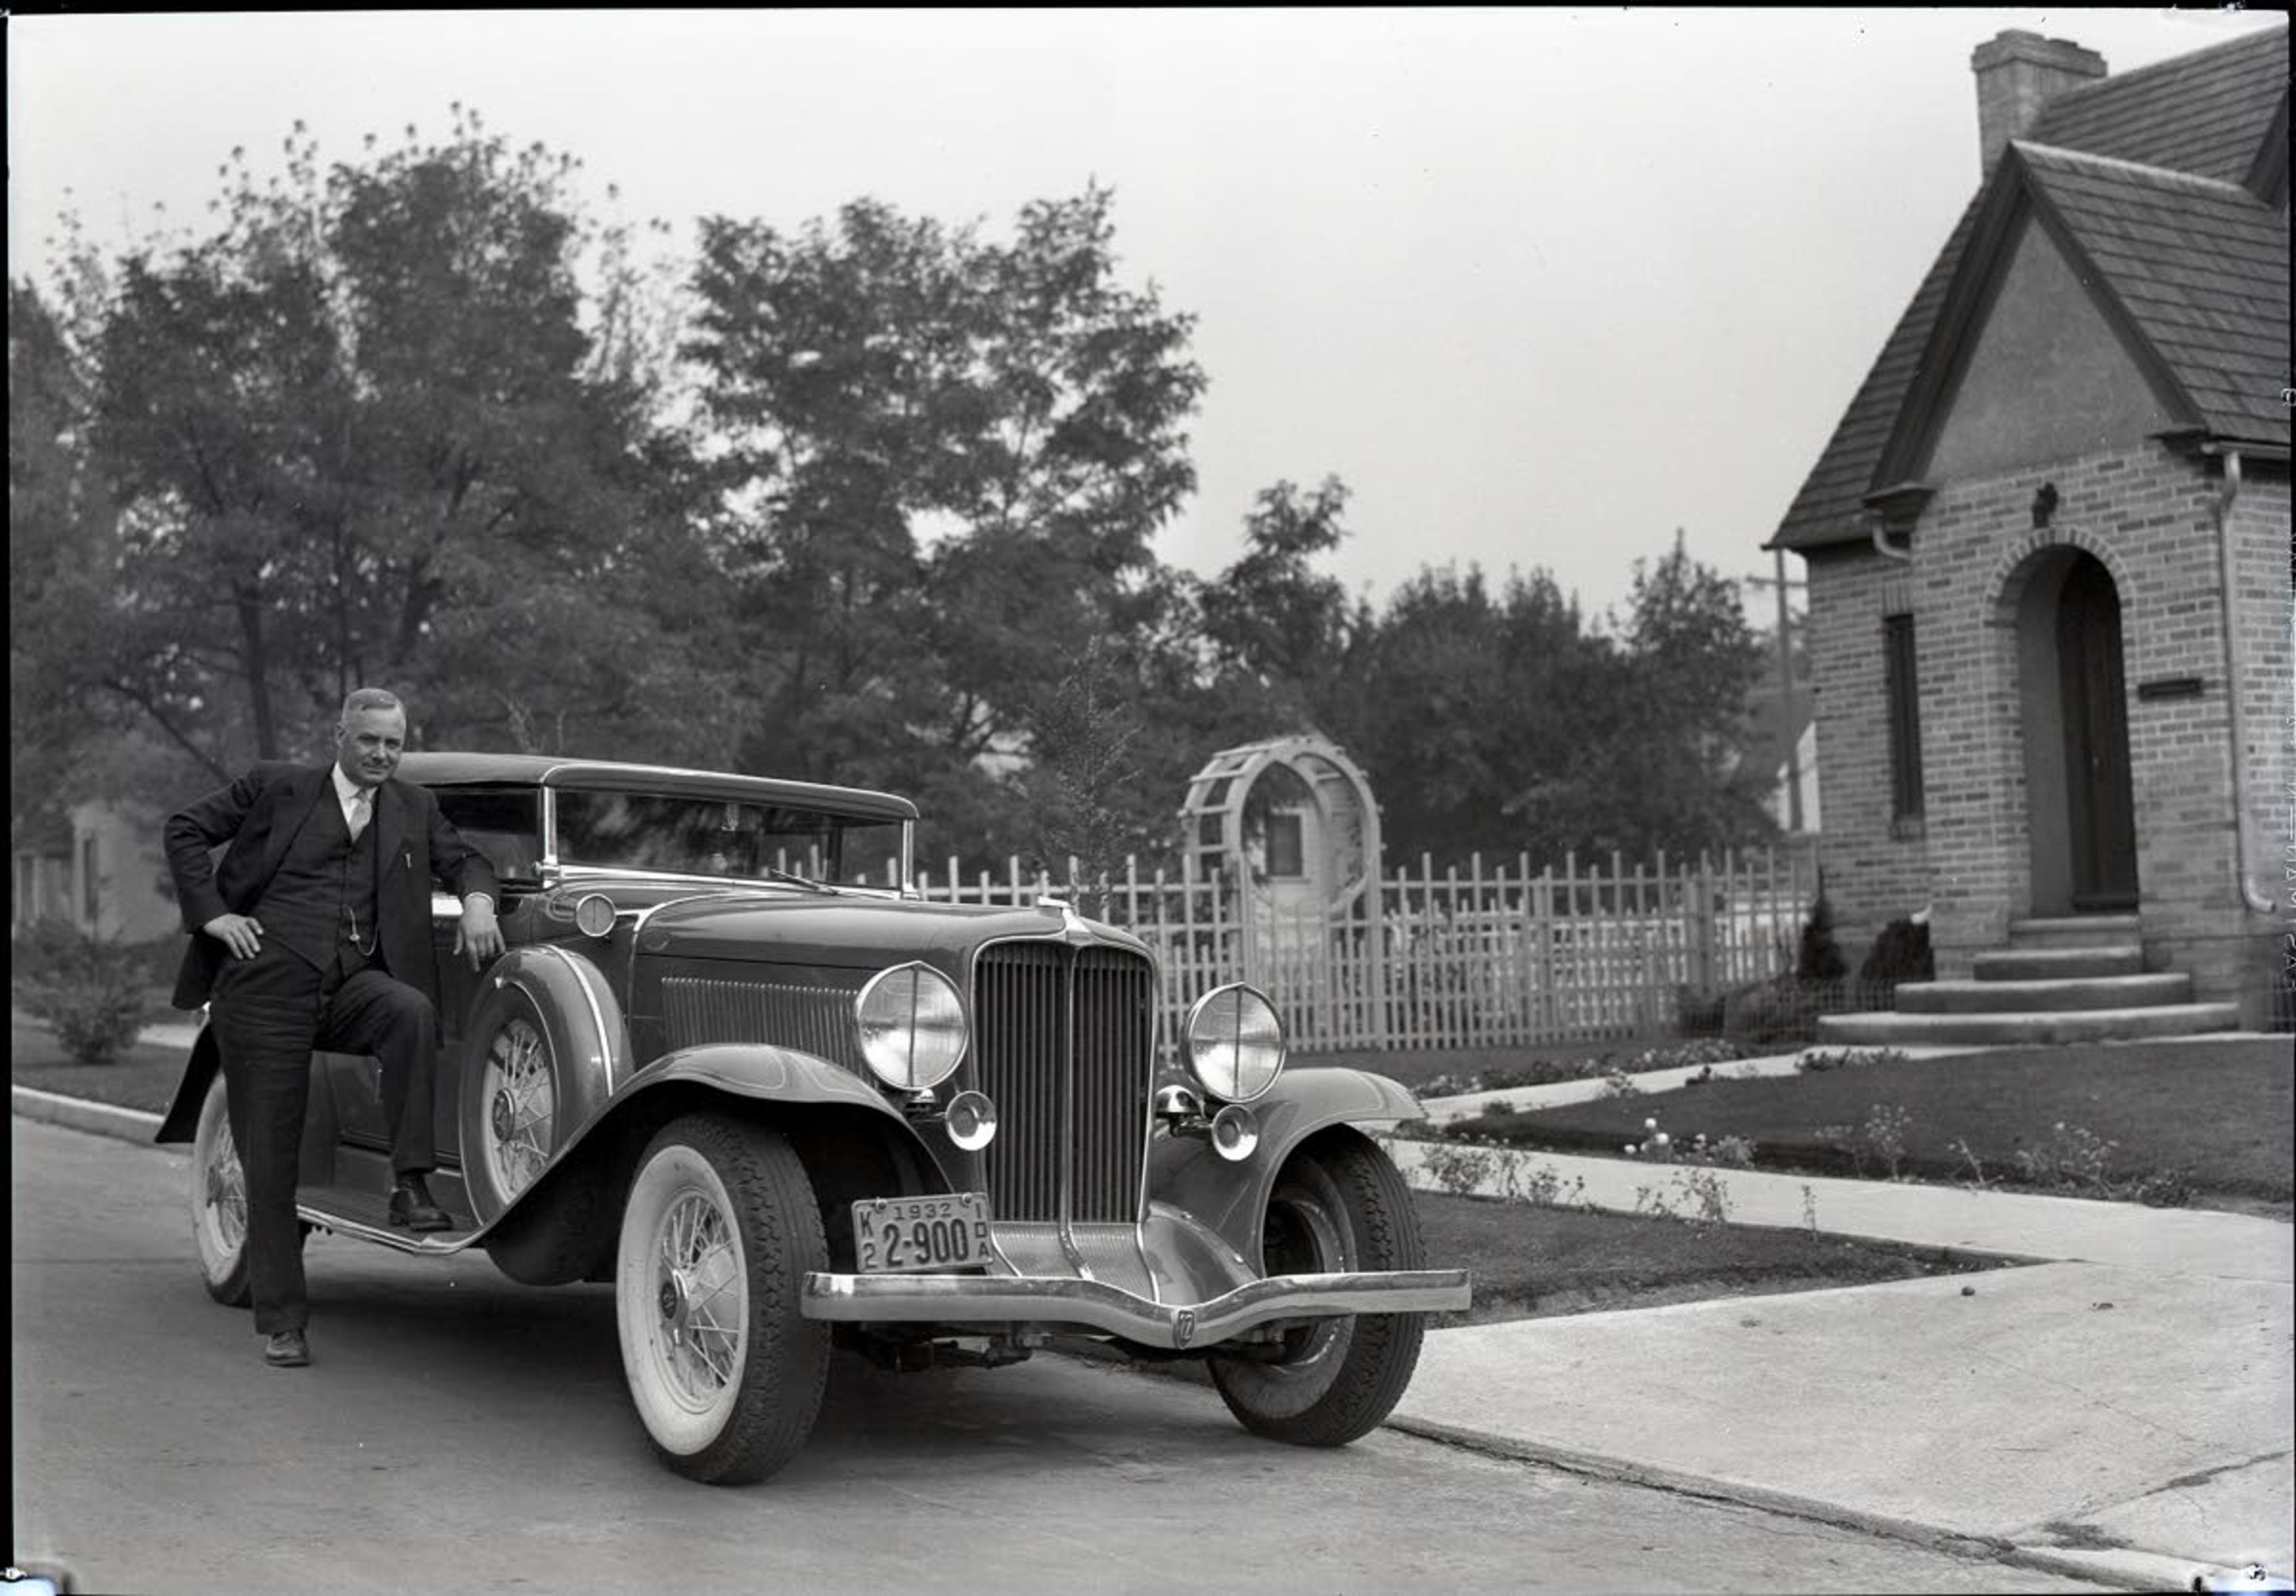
column 1531, row 1261
column 143, row 1077
column 2213, row 1117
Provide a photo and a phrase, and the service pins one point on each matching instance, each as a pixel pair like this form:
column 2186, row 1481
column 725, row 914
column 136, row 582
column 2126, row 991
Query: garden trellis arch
column 1239, row 790
column 1290, row 823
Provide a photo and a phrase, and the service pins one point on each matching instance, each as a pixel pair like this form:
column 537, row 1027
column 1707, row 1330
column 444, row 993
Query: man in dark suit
column 314, row 931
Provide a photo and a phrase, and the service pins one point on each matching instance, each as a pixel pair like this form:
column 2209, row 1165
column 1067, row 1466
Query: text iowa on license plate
column 904, row 1233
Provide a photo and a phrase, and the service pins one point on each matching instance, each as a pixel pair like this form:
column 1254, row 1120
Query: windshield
column 725, row 838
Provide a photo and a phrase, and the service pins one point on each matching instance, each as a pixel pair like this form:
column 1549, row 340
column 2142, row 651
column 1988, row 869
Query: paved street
column 459, row 1431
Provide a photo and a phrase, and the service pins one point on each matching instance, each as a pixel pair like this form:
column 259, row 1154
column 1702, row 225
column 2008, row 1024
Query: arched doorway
column 2080, row 803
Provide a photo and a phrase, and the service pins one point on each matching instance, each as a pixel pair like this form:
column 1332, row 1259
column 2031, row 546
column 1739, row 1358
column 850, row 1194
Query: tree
column 1500, row 723
column 944, row 461
column 1084, row 784
column 361, row 432
column 1278, row 630
column 1471, row 714
column 1692, row 661
column 60, row 559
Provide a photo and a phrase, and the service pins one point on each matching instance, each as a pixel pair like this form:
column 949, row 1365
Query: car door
column 505, row 823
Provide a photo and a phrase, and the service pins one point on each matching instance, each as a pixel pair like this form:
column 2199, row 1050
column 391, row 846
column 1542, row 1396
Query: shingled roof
column 2200, row 266
column 2145, row 171
column 2200, row 113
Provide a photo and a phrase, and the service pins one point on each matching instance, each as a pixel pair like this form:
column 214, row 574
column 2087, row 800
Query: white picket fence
column 1485, row 958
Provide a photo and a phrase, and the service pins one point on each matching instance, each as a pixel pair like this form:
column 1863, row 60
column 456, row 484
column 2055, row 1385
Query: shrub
column 1820, row 958
column 1882, row 1139
column 90, row 989
column 1817, row 1060
column 2070, row 1156
column 1771, row 1011
column 1698, row 1012
column 1900, row 953
column 1734, row 1152
column 1458, row 1169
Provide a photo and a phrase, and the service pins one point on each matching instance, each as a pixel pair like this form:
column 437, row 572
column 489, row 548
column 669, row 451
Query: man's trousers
column 269, row 1012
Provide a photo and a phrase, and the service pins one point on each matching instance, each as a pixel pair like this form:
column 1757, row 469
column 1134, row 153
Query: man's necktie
column 362, row 811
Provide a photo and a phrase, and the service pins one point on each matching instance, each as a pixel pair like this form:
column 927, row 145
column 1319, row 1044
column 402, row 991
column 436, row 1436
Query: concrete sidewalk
column 2122, row 1410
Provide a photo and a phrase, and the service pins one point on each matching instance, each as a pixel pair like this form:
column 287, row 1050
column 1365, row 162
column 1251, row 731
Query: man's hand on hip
column 478, row 936
column 241, row 934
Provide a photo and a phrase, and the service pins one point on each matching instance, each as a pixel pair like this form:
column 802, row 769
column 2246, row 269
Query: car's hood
column 850, row 931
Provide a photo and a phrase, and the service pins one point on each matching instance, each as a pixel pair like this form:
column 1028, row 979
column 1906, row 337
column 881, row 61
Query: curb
column 83, row 1113
column 2131, row 1571
column 2134, row 1570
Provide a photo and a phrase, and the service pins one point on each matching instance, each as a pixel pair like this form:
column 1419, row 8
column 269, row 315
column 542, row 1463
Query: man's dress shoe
column 411, row 1206
column 287, row 1349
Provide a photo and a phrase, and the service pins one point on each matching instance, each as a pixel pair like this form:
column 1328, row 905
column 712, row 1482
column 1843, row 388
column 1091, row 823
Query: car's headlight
column 912, row 1030
column 1235, row 1043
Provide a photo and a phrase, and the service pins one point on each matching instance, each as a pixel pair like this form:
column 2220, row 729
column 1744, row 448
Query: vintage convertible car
column 782, row 1109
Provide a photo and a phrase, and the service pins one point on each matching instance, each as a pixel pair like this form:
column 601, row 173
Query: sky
column 1541, row 287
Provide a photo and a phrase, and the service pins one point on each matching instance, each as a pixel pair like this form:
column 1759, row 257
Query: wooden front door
column 2101, row 811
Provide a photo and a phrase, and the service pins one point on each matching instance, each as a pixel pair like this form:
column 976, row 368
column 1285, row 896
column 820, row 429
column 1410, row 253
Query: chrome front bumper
column 1096, row 1305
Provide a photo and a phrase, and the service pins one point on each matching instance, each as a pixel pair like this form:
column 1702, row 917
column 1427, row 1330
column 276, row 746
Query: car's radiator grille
column 1063, row 1038
column 818, row 1019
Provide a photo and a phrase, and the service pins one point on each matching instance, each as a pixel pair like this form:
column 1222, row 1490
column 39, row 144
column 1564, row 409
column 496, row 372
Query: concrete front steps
column 2077, row 979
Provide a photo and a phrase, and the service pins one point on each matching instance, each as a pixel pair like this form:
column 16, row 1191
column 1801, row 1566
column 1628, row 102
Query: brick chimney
column 2016, row 72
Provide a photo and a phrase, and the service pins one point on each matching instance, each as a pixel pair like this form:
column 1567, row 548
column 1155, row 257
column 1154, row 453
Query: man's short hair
column 370, row 698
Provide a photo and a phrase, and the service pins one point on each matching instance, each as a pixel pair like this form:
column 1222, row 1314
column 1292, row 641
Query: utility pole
column 1785, row 689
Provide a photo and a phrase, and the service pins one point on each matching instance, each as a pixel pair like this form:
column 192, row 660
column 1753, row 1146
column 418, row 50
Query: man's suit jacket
column 259, row 814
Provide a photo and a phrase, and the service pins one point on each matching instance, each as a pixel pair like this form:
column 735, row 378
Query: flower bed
column 2163, row 1123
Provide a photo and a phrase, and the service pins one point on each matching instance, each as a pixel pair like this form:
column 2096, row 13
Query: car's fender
column 571, row 1004
column 757, row 1072
column 1231, row 1198
column 182, row 1120
column 855, row 1144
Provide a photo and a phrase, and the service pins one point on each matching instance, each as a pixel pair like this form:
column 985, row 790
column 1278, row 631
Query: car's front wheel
column 718, row 1236
column 219, row 1203
column 1338, row 1205
column 511, row 1108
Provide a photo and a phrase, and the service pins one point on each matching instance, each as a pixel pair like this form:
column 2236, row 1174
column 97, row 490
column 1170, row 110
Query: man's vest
column 322, row 895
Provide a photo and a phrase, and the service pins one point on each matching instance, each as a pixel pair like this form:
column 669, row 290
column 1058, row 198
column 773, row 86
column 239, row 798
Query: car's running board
column 368, row 1219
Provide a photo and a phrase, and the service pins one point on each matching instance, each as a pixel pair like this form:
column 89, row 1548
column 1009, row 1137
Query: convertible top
column 447, row 769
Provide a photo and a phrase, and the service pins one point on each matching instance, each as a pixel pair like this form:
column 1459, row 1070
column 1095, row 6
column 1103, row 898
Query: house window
column 1903, row 689
column 91, row 898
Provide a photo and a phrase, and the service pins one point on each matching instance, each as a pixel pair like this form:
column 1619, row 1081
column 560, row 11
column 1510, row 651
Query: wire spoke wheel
column 698, row 1285
column 718, row 1232
column 520, row 1094
column 219, row 1196
column 1338, row 1205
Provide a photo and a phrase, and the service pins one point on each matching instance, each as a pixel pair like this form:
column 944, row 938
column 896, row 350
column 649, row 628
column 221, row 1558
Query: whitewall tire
column 718, row 1233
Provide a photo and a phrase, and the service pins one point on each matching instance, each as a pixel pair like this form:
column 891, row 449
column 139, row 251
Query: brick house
column 2047, row 546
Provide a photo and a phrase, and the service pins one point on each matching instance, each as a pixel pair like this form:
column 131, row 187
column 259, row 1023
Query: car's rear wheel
column 718, row 1236
column 1338, row 1205
column 219, row 1202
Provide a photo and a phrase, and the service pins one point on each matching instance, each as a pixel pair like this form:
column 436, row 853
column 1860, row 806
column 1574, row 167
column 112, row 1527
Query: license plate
column 904, row 1234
